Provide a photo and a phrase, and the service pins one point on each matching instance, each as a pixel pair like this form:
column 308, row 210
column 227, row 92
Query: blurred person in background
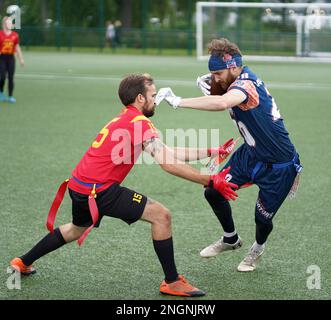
column 110, row 34
column 9, row 46
column 118, row 33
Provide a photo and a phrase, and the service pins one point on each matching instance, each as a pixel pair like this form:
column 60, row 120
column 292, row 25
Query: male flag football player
column 267, row 158
column 96, row 191
column 9, row 45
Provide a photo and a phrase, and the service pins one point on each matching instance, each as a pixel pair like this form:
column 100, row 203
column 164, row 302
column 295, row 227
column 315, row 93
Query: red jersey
column 114, row 151
column 9, row 42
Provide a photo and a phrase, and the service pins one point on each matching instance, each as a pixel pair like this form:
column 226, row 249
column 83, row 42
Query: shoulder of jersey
column 244, row 76
column 140, row 118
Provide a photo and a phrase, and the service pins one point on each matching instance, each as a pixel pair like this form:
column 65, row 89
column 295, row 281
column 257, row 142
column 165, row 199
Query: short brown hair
column 133, row 85
column 222, row 46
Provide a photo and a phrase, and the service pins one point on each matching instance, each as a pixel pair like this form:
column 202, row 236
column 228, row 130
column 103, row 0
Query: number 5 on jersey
column 104, row 133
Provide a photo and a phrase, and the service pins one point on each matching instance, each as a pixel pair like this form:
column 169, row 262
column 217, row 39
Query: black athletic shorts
column 116, row 201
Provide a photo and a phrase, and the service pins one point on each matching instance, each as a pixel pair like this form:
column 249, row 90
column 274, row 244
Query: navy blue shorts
column 274, row 183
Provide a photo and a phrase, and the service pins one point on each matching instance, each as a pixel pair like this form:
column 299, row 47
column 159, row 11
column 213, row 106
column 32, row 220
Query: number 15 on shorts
column 137, row 197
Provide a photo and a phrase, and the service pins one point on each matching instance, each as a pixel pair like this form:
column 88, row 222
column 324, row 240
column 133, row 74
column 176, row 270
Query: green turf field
column 64, row 99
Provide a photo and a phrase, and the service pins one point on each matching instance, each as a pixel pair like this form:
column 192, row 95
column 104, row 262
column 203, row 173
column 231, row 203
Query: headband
column 226, row 62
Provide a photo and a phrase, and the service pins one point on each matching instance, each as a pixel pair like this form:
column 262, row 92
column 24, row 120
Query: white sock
column 257, row 247
column 230, row 234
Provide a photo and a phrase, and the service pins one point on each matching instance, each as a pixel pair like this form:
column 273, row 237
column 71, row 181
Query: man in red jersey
column 9, row 45
column 103, row 168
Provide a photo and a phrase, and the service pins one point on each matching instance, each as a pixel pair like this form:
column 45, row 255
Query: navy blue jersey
column 259, row 121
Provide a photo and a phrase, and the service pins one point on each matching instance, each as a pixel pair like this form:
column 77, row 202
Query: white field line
column 167, row 82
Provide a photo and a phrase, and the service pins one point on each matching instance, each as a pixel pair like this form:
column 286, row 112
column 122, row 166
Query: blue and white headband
column 226, row 62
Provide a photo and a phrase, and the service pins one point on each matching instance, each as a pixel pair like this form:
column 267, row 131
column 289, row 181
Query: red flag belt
column 57, row 202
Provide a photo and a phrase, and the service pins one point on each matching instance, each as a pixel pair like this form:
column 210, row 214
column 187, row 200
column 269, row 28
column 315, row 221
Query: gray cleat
column 218, row 247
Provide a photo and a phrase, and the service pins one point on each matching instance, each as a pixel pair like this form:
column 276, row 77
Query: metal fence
column 160, row 41
column 73, row 37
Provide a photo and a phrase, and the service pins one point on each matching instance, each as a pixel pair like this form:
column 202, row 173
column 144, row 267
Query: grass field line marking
column 59, row 76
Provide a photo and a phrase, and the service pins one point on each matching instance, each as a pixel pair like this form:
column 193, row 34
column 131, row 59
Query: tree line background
column 170, row 14
column 146, row 24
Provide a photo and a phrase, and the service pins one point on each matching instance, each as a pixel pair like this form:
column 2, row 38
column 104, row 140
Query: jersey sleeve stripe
column 242, row 90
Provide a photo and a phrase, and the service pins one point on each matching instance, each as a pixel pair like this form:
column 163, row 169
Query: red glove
column 224, row 187
column 223, row 151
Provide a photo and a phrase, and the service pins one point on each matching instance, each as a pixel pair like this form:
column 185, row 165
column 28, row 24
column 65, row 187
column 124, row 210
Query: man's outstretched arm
column 166, row 158
column 191, row 154
column 230, row 99
column 169, row 163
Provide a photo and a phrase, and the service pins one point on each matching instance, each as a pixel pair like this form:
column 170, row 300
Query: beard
column 226, row 83
column 148, row 113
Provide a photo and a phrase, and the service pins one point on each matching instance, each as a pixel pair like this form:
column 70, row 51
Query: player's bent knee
column 162, row 216
column 70, row 232
column 78, row 231
column 157, row 213
column 165, row 217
